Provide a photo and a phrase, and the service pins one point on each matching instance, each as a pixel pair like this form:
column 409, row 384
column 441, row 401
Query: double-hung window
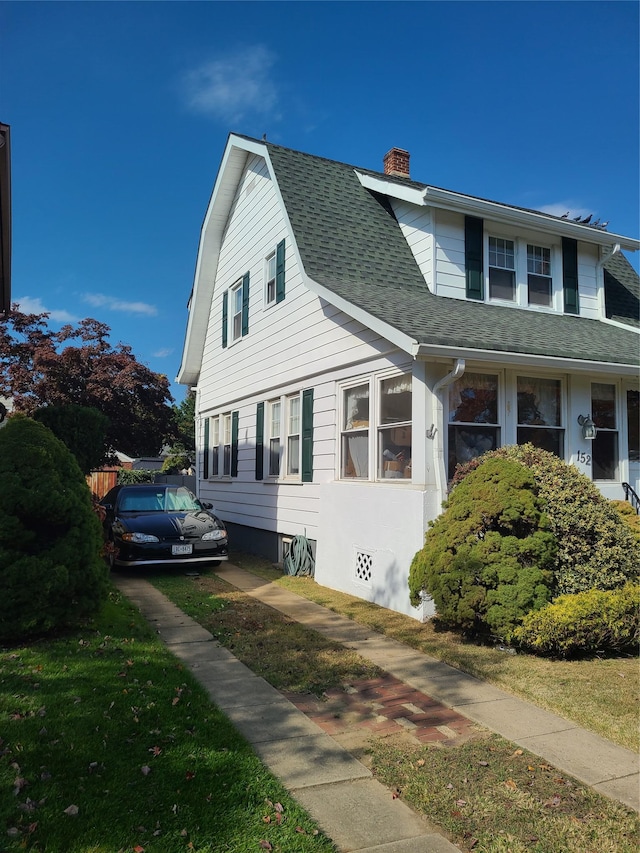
column 220, row 446
column 502, row 269
column 539, row 282
column 375, row 434
column 394, row 428
column 540, row 413
column 355, row 433
column 270, row 276
column 275, row 440
column 236, row 310
column 293, row 436
column 474, row 426
column 605, row 444
column 288, row 438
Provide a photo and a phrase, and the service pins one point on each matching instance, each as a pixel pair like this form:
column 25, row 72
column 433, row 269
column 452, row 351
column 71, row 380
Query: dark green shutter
column 280, row 271
column 473, row 257
column 259, row 441
column 225, row 312
column 205, row 452
column 307, row 436
column 245, row 303
column 570, row 275
column 234, row 444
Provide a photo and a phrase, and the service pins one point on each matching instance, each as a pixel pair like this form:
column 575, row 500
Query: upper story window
column 502, row 269
column 270, row 276
column 381, row 433
column 539, row 281
column 474, row 426
column 514, row 268
column 540, row 414
column 274, row 275
column 235, row 311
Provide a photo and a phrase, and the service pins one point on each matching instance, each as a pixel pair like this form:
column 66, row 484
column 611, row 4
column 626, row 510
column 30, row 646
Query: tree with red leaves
column 40, row 367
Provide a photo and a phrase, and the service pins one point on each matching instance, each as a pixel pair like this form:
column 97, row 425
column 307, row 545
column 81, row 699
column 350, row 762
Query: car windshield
column 158, row 500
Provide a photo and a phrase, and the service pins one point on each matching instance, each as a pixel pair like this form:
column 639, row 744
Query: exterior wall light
column 588, row 427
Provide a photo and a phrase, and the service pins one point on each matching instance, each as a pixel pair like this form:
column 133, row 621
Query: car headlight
column 139, row 537
column 214, row 534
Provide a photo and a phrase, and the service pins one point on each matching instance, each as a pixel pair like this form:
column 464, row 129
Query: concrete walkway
column 337, row 790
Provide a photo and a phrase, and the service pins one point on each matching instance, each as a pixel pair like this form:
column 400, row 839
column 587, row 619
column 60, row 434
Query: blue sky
column 120, row 111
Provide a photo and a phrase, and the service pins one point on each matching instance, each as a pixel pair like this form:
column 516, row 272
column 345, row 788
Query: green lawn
column 108, row 745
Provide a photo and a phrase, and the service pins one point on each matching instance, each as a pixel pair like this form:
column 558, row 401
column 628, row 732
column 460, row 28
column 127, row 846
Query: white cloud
column 230, row 87
column 31, row 305
column 562, row 207
column 162, row 353
column 99, row 300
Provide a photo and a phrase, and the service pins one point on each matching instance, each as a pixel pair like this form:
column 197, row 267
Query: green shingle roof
column 351, row 243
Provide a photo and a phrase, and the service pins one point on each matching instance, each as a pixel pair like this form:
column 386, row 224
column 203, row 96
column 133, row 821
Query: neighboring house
column 353, row 335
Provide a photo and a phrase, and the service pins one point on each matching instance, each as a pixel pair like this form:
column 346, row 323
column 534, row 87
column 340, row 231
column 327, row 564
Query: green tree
column 78, row 366
column 185, row 421
column 82, row 428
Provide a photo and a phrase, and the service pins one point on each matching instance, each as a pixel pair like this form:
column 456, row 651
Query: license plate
column 181, row 549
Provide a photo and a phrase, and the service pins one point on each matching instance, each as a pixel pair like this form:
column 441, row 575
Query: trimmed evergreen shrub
column 593, row 621
column 487, row 559
column 596, row 549
column 82, row 428
column 51, row 571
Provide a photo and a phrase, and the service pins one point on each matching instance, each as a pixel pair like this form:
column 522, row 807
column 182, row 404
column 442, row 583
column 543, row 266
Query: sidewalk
column 430, row 699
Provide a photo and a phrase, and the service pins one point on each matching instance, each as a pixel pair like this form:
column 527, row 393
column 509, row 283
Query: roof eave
column 458, row 202
column 421, row 352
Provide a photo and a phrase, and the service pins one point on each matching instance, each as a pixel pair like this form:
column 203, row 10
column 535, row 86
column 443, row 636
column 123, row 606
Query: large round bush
column 596, row 549
column 51, row 569
column 487, row 559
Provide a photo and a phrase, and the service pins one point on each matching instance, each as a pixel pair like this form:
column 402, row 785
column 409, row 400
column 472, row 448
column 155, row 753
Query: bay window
column 394, row 428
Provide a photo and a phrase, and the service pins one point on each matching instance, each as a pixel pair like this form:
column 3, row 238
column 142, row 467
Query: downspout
column 438, row 428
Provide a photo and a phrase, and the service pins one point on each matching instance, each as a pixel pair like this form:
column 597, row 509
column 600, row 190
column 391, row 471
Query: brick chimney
column 396, row 162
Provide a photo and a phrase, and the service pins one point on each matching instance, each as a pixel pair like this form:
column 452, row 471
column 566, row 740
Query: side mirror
column 206, row 504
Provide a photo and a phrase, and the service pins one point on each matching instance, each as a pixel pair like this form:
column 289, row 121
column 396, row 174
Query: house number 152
column 583, row 458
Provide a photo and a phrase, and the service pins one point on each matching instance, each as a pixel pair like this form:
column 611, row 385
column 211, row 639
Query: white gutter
column 438, row 420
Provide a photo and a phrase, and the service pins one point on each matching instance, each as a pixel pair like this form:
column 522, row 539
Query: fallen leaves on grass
column 71, row 810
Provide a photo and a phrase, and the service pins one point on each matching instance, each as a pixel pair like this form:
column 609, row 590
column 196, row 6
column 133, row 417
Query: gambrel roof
column 354, row 255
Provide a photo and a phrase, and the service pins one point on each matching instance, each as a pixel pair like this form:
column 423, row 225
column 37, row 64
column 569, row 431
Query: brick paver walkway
column 385, row 706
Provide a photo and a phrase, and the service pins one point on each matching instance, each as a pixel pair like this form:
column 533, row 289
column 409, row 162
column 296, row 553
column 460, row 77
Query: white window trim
column 217, row 423
column 521, row 292
column 373, row 380
column 283, row 476
column 271, row 257
column 235, row 288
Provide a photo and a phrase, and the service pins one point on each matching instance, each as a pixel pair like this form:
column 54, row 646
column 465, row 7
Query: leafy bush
column 128, row 476
column 82, row 428
column 629, row 516
column 51, row 572
column 177, row 460
column 598, row 620
column 487, row 559
column 596, row 549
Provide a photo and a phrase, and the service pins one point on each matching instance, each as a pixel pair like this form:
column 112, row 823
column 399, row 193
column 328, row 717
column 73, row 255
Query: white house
column 353, row 335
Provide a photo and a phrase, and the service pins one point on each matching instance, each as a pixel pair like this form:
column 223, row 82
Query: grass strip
column 108, row 745
column 486, row 794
